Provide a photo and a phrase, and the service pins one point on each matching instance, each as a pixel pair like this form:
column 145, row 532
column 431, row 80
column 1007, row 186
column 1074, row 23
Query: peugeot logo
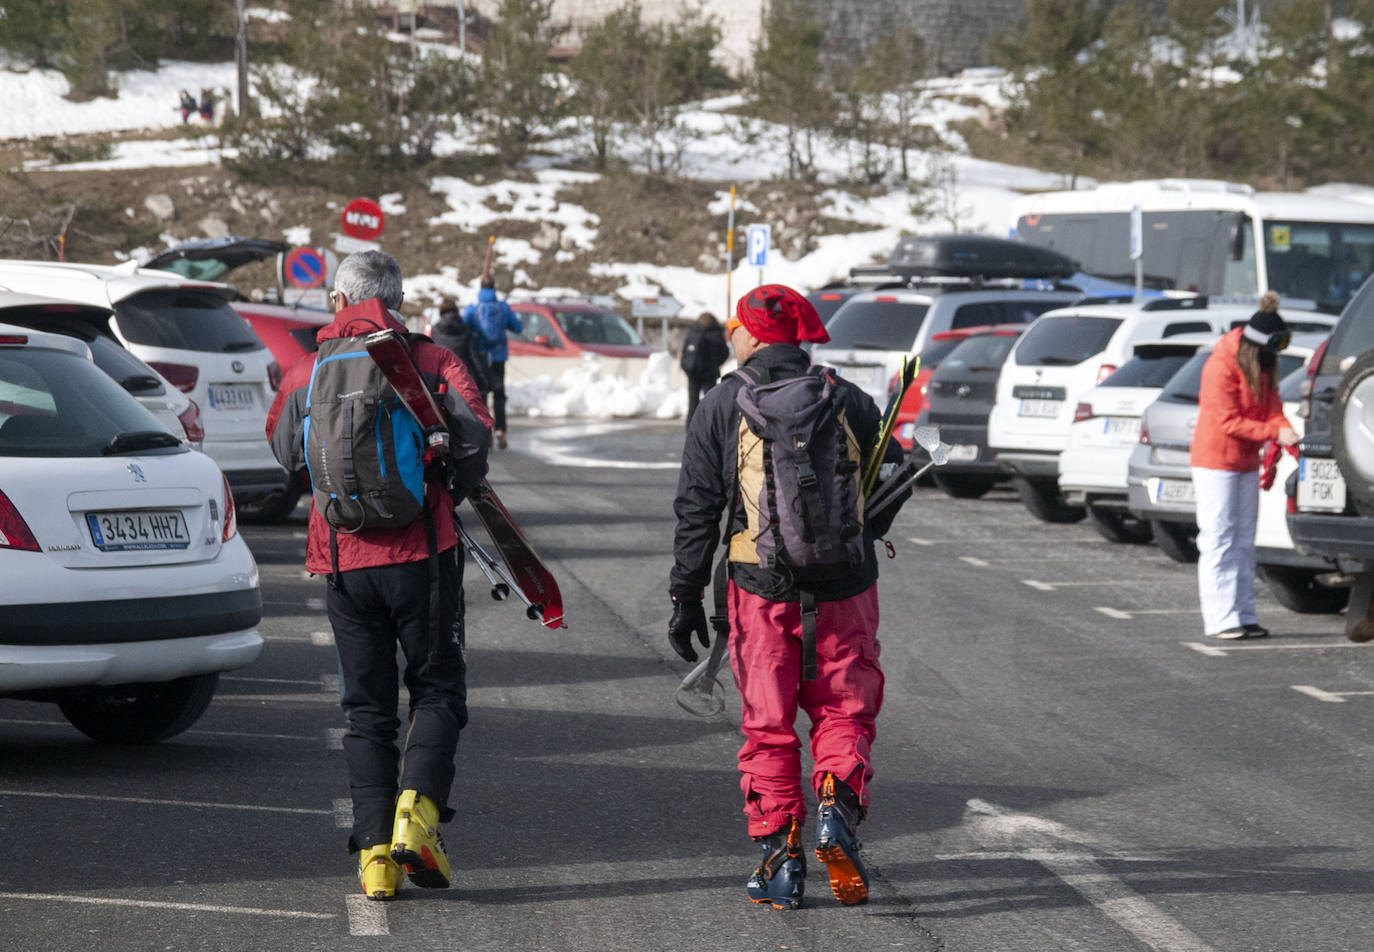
column 138, row 473
column 238, row 366
column 1038, row 375
column 963, row 391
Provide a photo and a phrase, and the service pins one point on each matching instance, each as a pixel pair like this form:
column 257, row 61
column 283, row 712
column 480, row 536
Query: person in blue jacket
column 492, row 318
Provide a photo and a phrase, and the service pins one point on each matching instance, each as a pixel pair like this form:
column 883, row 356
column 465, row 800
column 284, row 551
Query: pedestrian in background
column 1238, row 412
column 188, row 106
column 450, row 332
column 492, row 318
column 702, row 355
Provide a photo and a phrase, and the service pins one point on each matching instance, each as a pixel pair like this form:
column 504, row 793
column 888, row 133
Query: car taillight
column 181, row 376
column 1309, row 382
column 274, row 376
column 1105, row 371
column 1144, row 433
column 190, row 422
column 1084, row 411
column 14, row 531
column 231, row 519
column 13, row 340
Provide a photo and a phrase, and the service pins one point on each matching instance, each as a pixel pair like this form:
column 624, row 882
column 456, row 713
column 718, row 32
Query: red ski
column 525, row 571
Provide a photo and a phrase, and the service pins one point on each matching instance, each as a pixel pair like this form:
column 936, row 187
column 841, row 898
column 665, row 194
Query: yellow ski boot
column 378, row 872
column 416, row 844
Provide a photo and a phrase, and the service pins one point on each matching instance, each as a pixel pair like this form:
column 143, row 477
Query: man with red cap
column 766, row 634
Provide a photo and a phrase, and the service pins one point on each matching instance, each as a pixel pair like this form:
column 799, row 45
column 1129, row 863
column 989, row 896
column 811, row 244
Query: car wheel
column 1117, row 526
column 1177, row 540
column 1352, row 422
column 1298, row 591
column 965, row 485
column 276, row 508
column 1042, row 498
column 139, row 713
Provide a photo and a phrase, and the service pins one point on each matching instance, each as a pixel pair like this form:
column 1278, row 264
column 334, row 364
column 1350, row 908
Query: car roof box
column 977, row 256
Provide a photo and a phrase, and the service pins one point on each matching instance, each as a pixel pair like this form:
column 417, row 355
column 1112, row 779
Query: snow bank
column 588, row 391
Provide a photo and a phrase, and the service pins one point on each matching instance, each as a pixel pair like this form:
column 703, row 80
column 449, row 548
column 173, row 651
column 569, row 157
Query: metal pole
column 462, row 26
column 241, row 57
column 729, row 251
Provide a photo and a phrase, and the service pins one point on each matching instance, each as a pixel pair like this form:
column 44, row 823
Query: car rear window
column 123, row 367
column 598, row 327
column 1185, row 385
column 936, row 351
column 981, row 352
column 55, row 404
column 1065, row 341
column 877, row 325
column 185, row 319
column 1152, row 372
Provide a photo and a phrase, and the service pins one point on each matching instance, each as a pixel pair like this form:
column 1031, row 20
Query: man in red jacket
column 390, row 586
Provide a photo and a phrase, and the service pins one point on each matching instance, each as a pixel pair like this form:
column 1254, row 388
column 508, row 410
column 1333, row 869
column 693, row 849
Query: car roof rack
column 1197, row 303
column 1105, row 299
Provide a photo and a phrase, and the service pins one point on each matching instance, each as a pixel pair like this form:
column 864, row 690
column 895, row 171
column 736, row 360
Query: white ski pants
column 1227, row 507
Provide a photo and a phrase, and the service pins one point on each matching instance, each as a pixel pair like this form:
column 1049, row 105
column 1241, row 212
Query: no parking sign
column 304, row 268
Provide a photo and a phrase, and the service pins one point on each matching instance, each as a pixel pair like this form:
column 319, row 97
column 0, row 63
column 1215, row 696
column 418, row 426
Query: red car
column 936, row 349
column 288, row 332
column 571, row 328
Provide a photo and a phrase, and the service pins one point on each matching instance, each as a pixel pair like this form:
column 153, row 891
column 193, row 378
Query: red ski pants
column 842, row 703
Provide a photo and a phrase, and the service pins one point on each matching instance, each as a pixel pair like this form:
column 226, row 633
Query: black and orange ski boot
column 837, row 845
column 780, row 878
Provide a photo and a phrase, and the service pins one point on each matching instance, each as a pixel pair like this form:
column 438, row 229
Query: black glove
column 688, row 617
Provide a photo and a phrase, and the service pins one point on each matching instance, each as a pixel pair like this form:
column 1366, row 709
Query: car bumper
column 1139, row 499
column 39, row 667
column 253, row 485
column 1348, row 539
column 1031, row 465
column 1292, row 558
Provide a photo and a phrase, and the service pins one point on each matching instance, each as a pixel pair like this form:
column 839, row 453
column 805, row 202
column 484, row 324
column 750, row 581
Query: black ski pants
column 372, row 611
column 696, row 389
column 498, row 394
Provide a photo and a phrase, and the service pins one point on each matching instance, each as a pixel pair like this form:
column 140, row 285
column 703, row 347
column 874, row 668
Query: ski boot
column 780, row 878
column 378, row 872
column 415, row 842
column 837, row 845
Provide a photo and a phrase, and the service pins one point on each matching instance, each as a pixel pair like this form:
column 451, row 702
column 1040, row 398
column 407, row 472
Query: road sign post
column 1138, row 249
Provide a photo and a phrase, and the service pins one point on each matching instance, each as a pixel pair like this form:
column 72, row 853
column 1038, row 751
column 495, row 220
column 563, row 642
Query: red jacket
column 1232, row 422
column 286, row 433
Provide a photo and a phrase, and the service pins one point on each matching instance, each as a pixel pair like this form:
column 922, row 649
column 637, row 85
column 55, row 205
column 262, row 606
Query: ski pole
column 928, row 438
column 499, row 589
column 700, row 693
column 490, row 565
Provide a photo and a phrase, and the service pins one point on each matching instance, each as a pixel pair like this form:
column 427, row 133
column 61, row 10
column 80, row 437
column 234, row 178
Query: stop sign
column 363, row 219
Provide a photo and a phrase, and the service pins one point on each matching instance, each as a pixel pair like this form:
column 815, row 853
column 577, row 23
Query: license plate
column 1321, row 487
column 866, row 376
column 232, row 398
column 1176, row 491
column 145, row 529
column 907, row 432
column 1040, row 408
column 1119, row 430
column 962, row 453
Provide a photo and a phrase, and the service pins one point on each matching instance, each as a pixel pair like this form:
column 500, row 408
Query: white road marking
column 1211, row 651
column 253, row 734
column 181, row 906
column 1333, row 697
column 980, row 563
column 150, row 801
column 316, row 698
column 1081, row 870
column 915, row 541
column 315, row 604
column 545, row 449
column 298, row 534
column 343, row 813
column 329, row 683
column 333, row 738
column 322, row 638
column 1123, row 615
column 1245, row 644
column 1053, row 586
column 269, row 680
column 1114, row 613
column 366, row 916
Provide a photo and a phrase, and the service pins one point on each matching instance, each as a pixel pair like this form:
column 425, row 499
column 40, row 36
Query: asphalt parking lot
column 1063, row 761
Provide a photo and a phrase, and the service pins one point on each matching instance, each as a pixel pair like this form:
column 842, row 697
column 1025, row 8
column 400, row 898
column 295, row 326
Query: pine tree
column 519, row 98
column 788, row 80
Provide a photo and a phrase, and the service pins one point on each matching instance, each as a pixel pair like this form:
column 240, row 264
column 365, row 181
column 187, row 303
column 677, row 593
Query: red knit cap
column 776, row 314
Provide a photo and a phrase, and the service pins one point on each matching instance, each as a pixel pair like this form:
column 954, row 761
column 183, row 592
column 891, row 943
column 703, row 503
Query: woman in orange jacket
column 1238, row 412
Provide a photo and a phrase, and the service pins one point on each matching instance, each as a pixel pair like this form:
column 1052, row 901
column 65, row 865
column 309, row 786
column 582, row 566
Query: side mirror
column 542, row 340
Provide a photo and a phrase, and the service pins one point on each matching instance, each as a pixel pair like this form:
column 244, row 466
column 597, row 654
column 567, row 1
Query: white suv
column 187, row 332
column 1059, row 359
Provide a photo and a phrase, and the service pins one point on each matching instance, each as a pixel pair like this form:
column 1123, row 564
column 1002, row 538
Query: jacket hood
column 486, row 294
column 1229, row 345
column 361, row 318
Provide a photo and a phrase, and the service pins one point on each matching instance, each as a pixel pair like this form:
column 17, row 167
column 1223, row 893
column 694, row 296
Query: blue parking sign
column 758, row 245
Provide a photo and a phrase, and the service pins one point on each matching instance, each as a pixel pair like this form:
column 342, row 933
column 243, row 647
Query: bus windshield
column 1318, row 261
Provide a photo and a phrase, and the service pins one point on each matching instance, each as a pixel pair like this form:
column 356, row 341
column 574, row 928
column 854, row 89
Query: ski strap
column 808, row 627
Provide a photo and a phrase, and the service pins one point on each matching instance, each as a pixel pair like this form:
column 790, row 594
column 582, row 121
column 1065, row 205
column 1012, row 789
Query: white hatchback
column 127, row 588
column 189, row 334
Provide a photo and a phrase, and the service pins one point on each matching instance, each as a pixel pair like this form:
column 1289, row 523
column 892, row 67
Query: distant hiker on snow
column 802, row 594
column 491, row 318
column 452, row 333
column 188, row 106
column 702, row 354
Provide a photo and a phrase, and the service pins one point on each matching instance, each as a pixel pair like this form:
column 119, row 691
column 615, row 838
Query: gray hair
column 370, row 274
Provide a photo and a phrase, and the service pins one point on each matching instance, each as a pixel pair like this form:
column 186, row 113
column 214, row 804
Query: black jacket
column 709, row 464
column 703, row 352
column 458, row 337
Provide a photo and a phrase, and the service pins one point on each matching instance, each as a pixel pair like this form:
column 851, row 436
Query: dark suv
column 1331, row 496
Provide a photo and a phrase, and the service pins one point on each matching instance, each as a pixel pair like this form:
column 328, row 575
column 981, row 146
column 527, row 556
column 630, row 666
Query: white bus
column 1221, row 239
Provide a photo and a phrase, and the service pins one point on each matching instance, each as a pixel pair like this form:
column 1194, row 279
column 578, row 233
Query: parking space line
column 917, row 541
column 333, row 738
column 318, row 698
column 252, row 734
column 366, row 917
column 329, row 683
column 979, row 563
column 343, row 813
column 268, row 680
column 315, row 604
column 1330, row 697
column 1122, row 614
column 180, row 906
column 1224, row 648
column 151, row 801
column 322, row 638
column 1053, row 586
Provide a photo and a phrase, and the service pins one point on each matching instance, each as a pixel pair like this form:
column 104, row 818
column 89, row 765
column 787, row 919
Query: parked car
column 1060, row 358
column 1159, row 482
column 288, row 332
column 960, row 396
column 952, row 282
column 127, row 587
column 188, row 333
column 176, row 412
column 1106, row 429
column 572, row 328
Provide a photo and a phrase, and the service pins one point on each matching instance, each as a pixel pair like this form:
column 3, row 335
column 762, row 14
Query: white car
column 189, row 334
column 1065, row 354
column 177, row 412
column 1106, row 429
column 127, row 588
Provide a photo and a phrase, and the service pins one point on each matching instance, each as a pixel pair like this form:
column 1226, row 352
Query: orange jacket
column 1232, row 424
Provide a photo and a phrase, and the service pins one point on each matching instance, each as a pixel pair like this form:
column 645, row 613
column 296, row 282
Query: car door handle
column 1326, row 396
